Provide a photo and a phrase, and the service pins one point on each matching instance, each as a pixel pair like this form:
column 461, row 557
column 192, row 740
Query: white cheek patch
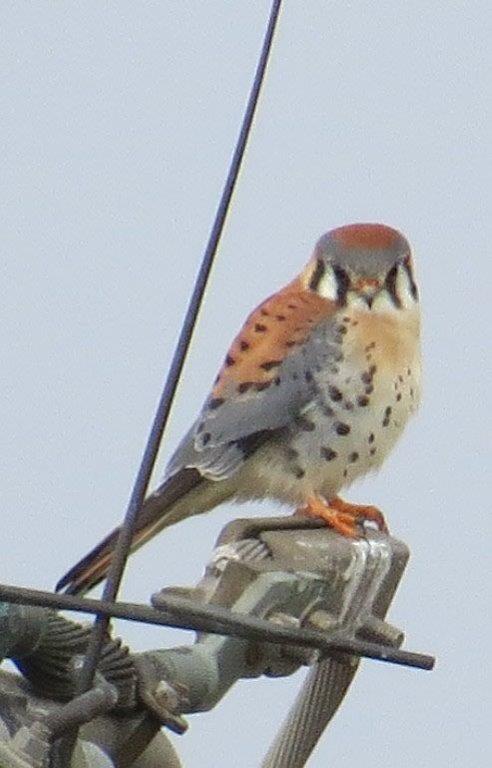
column 327, row 286
column 403, row 288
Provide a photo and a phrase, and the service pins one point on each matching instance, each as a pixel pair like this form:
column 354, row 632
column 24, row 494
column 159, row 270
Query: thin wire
column 183, row 613
column 123, row 544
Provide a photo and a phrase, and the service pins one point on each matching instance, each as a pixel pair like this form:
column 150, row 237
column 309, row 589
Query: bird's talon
column 361, row 512
column 341, row 521
column 345, row 518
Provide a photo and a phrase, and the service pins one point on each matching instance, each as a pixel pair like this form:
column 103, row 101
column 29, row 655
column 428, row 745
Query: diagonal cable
column 122, row 547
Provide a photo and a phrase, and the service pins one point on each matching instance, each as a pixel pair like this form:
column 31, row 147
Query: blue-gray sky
column 117, row 124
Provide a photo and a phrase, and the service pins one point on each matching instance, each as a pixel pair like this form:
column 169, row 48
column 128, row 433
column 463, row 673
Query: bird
column 312, row 394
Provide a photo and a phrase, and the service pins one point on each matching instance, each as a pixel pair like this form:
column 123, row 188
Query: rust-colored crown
column 367, row 236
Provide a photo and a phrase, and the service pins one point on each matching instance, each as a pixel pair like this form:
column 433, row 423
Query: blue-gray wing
column 245, row 413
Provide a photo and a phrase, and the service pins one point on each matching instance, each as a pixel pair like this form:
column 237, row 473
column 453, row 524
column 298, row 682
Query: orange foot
column 361, row 512
column 342, row 516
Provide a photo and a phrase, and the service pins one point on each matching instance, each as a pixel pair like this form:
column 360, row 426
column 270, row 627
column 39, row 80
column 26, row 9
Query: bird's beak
column 367, row 287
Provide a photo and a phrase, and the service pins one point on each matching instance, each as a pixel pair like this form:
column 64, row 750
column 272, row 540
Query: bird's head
column 370, row 264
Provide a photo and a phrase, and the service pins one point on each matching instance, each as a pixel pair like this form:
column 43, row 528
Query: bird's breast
column 361, row 406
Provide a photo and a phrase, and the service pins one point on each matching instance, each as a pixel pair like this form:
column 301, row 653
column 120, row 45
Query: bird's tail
column 184, row 494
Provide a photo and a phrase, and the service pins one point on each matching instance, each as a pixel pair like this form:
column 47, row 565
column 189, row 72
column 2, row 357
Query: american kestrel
column 313, row 393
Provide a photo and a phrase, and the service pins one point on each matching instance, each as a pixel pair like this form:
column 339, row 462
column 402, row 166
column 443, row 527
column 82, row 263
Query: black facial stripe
column 318, row 273
column 390, row 285
column 413, row 286
column 343, row 283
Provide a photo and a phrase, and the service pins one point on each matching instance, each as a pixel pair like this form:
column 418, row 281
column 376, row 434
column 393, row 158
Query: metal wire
column 317, row 702
column 123, row 544
column 183, row 613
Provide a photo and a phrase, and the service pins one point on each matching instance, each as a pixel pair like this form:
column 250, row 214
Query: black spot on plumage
column 334, row 394
column 299, row 473
column 280, row 318
column 260, row 328
column 244, row 386
column 353, row 457
column 244, row 345
column 341, row 428
column 262, row 385
column 305, row 424
column 341, row 329
column 363, row 400
column 328, row 453
column 290, row 343
column 369, row 389
column 215, row 402
column 308, row 376
column 387, row 414
column 398, row 397
column 269, row 364
column 229, row 361
column 372, row 451
column 277, row 381
column 264, row 312
column 206, row 437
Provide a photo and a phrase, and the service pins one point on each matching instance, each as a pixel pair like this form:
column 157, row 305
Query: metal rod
column 182, row 613
column 123, row 543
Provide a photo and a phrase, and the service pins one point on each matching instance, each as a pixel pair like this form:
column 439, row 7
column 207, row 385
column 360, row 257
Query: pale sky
column 117, row 123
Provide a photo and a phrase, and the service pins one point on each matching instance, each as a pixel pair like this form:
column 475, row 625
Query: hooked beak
column 367, row 287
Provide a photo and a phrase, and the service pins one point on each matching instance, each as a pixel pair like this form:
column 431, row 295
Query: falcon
column 313, row 393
